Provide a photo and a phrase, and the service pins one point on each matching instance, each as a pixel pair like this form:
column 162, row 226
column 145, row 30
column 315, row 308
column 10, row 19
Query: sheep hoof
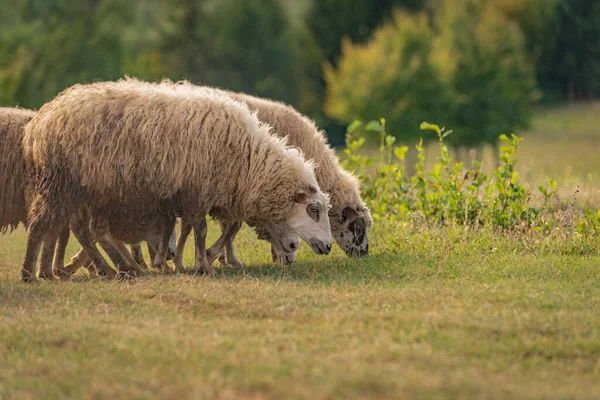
column 63, row 273
column 235, row 262
column 28, row 278
column 126, row 275
column 47, row 275
column 222, row 260
column 107, row 273
column 178, row 268
column 211, row 255
column 205, row 270
column 166, row 269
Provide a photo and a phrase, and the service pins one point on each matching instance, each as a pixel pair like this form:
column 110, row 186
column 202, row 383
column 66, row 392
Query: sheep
column 13, row 174
column 348, row 215
column 13, row 210
column 127, row 150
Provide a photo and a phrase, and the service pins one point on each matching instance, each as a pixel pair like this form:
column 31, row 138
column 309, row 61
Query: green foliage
column 399, row 73
column 449, row 193
column 572, row 66
column 492, row 75
column 244, row 46
column 331, row 20
column 470, row 70
column 251, row 49
column 53, row 45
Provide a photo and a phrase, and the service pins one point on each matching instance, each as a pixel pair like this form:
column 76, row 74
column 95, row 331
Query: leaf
column 505, row 139
column 389, row 141
column 446, row 133
column 426, row 126
column 374, row 126
column 400, row 152
column 354, row 125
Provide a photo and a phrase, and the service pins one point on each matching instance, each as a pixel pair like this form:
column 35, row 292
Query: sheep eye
column 314, row 210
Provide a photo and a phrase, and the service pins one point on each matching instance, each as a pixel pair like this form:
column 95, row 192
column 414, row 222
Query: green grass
column 431, row 313
column 436, row 314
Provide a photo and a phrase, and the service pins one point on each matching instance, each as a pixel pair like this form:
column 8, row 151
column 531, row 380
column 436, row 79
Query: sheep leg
column 59, row 255
column 202, row 265
column 186, row 228
column 91, row 268
column 160, row 260
column 151, row 252
column 228, row 232
column 79, row 260
column 125, row 251
column 37, row 229
column 138, row 256
column 101, row 231
column 83, row 235
column 230, row 256
column 47, row 256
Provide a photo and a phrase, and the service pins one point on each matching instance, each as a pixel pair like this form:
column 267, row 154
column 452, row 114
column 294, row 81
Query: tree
column 242, row 46
column 401, row 74
column 53, row 45
column 572, row 67
column 492, row 75
column 332, row 20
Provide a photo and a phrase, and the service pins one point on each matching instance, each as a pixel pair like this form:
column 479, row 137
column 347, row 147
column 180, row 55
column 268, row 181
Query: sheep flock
column 118, row 163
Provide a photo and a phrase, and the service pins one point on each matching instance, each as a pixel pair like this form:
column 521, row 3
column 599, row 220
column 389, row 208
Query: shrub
column 449, row 194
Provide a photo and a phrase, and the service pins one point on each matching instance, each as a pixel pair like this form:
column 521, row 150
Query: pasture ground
column 432, row 313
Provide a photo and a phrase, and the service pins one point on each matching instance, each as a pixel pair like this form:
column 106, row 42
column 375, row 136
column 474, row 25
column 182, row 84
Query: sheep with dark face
column 128, row 149
column 348, row 214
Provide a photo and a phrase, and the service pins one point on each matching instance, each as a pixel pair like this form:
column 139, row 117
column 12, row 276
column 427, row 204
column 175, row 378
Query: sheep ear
column 349, row 213
column 301, row 197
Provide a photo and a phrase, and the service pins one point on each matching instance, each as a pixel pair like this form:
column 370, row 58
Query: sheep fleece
column 131, row 141
column 13, row 176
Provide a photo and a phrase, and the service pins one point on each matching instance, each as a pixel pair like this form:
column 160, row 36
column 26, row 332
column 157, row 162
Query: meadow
column 433, row 312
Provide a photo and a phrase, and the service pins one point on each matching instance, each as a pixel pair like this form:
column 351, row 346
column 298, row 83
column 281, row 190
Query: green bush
column 467, row 66
column 492, row 76
column 399, row 73
column 450, row 193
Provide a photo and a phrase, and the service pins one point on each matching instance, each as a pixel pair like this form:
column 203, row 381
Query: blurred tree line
column 478, row 66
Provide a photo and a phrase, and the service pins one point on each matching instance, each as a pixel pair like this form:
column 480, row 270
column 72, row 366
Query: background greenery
column 478, row 66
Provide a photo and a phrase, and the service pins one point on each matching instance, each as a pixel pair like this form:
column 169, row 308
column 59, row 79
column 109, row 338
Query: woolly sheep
column 127, row 150
column 348, row 215
column 13, row 174
column 13, row 177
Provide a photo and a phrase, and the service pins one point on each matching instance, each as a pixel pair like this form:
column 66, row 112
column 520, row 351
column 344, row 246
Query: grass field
column 431, row 313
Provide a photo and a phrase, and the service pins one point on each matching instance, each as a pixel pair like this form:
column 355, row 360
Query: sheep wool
column 13, row 176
